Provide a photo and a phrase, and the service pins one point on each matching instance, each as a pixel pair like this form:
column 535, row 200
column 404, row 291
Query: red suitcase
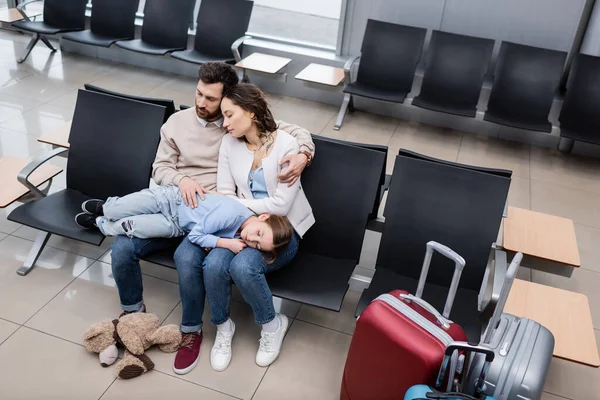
column 400, row 340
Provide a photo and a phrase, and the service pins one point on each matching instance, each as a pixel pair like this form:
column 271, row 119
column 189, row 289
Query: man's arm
column 164, row 169
column 296, row 162
column 303, row 136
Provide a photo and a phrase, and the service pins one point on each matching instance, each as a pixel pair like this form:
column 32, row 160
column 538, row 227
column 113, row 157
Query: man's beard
column 209, row 117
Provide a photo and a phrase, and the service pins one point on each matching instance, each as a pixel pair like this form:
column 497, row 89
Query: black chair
column 525, row 82
column 579, row 118
column 341, row 186
column 111, row 20
column 220, row 24
column 60, row 16
column 165, row 28
column 390, row 54
column 456, row 205
column 113, row 142
column 384, row 179
column 455, row 68
column 169, row 105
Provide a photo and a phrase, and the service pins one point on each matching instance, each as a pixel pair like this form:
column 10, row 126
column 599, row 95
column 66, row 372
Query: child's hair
column 282, row 235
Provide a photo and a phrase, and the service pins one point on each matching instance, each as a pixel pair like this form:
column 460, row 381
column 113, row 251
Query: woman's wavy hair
column 252, row 99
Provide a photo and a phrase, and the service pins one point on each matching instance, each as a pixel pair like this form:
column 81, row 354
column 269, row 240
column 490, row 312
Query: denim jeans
column 149, row 213
column 247, row 269
column 126, row 254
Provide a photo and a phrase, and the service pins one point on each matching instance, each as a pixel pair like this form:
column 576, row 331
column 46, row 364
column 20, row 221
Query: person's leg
column 157, row 200
column 140, row 226
column 217, row 282
column 248, row 269
column 125, row 262
column 188, row 260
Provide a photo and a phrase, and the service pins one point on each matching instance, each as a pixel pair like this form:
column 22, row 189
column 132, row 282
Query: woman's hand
column 188, row 188
column 297, row 163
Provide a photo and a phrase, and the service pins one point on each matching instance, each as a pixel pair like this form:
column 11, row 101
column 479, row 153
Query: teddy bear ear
column 95, row 330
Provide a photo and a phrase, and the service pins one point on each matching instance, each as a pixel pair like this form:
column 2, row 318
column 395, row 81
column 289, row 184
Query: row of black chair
column 113, row 143
column 526, row 78
column 165, row 30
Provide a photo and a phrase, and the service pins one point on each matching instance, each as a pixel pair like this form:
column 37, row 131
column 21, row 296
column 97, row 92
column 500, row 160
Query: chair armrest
column 235, row 47
column 21, row 6
column 23, row 176
column 490, row 291
column 183, row 107
column 348, row 69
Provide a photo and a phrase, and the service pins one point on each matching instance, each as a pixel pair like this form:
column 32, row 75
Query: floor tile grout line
column 9, row 336
column 324, row 327
column 558, row 395
column 169, row 313
column 52, row 335
column 109, row 386
column 196, row 384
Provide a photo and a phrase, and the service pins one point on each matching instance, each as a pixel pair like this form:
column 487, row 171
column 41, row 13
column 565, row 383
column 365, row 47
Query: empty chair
column 579, row 117
column 111, row 20
column 169, row 105
column 165, row 28
column 390, row 54
column 458, row 206
column 525, row 82
column 455, row 68
column 60, row 16
column 341, row 186
column 113, row 143
column 384, row 179
column 220, row 23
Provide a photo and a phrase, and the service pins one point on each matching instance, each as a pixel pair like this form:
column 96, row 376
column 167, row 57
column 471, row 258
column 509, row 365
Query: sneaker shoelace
column 222, row 344
column 267, row 341
column 188, row 341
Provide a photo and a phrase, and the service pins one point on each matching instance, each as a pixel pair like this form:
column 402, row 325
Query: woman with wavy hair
column 250, row 159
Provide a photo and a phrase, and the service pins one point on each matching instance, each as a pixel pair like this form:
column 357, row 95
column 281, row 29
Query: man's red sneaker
column 188, row 354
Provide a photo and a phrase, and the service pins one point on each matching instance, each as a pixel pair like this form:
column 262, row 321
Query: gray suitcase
column 523, row 350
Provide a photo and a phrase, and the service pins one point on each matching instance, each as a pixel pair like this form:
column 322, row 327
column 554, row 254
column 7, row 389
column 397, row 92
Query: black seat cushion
column 297, row 281
column 361, row 89
column 449, row 107
column 196, row 57
column 464, row 310
column 164, row 257
column 89, row 37
column 41, row 27
column 56, row 214
column 140, row 46
column 516, row 121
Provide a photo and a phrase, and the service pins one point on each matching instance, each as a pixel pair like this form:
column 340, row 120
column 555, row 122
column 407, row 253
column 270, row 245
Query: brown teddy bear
column 136, row 332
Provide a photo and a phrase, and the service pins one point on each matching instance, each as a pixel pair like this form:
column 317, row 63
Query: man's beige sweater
column 187, row 148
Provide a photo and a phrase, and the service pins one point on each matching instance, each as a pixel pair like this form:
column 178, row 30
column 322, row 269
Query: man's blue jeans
column 247, row 270
column 189, row 258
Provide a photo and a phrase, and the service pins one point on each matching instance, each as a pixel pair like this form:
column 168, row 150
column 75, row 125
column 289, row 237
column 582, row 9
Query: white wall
column 322, row 8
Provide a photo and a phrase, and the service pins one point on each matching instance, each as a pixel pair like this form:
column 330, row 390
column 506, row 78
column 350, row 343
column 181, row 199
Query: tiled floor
column 43, row 315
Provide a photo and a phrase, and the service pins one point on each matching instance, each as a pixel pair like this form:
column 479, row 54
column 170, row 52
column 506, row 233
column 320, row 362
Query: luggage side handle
column 499, row 309
column 454, row 346
column 459, row 265
column 444, row 322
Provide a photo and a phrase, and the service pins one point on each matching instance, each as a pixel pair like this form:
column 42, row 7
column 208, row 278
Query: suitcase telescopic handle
column 454, row 346
column 459, row 264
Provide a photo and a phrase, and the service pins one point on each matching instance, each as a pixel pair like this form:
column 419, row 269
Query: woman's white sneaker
column 270, row 343
column 220, row 354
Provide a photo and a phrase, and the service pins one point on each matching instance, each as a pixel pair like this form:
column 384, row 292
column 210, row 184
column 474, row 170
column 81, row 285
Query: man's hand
column 235, row 245
column 297, row 163
column 189, row 188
